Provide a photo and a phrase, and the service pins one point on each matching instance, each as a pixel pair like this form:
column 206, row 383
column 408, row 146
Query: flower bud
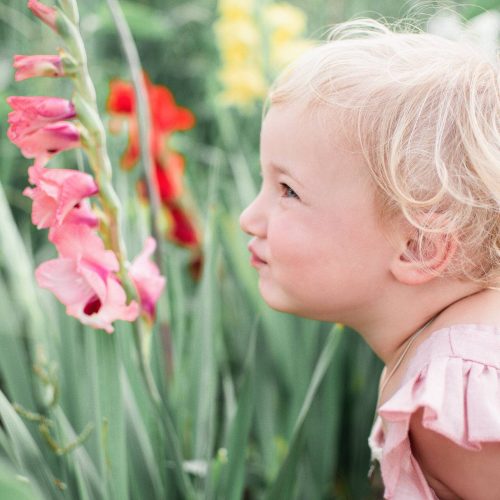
column 30, row 113
column 33, row 66
column 47, row 14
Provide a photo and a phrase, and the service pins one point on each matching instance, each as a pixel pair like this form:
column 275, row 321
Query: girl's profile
column 380, row 209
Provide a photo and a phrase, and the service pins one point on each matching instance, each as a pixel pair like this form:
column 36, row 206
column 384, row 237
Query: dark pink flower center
column 93, row 306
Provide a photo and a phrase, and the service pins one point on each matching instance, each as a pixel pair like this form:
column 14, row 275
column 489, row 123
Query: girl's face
column 314, row 225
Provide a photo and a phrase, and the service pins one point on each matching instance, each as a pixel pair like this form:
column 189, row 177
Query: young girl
column 380, row 209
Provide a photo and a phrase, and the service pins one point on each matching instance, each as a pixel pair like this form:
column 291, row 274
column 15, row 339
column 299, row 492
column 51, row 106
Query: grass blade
column 284, row 484
column 142, row 461
column 27, row 454
column 13, row 486
column 233, row 475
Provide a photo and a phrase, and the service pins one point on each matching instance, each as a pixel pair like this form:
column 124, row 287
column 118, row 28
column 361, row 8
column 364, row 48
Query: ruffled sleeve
column 455, row 378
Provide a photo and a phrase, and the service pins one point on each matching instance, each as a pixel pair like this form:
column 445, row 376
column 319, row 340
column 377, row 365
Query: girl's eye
column 288, row 192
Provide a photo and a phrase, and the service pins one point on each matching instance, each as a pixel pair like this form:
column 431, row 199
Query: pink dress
column 455, row 376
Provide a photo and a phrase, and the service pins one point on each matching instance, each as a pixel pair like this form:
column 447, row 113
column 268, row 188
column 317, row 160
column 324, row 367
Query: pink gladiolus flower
column 80, row 242
column 83, row 278
column 49, row 140
column 147, row 279
column 95, row 301
column 33, row 66
column 32, row 113
column 60, row 193
column 47, row 14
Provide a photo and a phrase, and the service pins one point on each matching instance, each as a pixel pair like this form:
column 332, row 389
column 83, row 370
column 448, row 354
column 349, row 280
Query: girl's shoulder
column 449, row 403
column 475, row 342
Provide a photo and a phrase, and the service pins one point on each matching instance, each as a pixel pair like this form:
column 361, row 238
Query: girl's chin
column 278, row 301
column 281, row 303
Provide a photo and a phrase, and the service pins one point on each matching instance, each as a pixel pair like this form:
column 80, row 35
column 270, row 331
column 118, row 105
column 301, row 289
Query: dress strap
column 409, row 343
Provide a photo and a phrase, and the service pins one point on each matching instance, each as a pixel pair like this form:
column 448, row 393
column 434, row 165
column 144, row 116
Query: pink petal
column 57, row 192
column 39, row 65
column 78, row 241
column 47, row 14
column 82, row 214
column 112, row 304
column 62, row 278
column 95, row 300
column 32, row 112
column 48, row 141
column 146, row 278
column 43, row 211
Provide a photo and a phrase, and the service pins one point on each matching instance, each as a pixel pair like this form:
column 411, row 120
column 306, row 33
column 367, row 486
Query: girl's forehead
column 294, row 131
column 305, row 117
column 311, row 149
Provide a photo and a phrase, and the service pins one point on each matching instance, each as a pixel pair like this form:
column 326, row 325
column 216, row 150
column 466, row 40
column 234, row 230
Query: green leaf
column 207, row 321
column 28, row 456
column 86, row 473
column 233, row 475
column 13, row 486
column 284, row 484
column 143, row 464
column 112, row 414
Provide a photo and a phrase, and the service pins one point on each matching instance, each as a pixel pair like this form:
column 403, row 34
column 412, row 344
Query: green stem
column 70, row 8
column 143, row 111
column 142, row 337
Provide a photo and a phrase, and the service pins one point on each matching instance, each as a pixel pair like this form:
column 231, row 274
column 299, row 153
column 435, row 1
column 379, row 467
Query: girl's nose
column 253, row 220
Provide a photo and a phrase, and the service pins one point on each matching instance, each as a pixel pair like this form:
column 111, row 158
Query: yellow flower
column 236, row 9
column 251, row 51
column 239, row 41
column 242, row 84
column 284, row 21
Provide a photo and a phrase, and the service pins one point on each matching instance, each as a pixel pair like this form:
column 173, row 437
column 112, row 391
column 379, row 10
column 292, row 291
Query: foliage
column 254, row 403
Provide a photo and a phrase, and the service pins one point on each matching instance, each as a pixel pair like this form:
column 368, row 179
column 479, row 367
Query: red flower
column 183, row 230
column 169, row 177
column 166, row 117
column 121, row 99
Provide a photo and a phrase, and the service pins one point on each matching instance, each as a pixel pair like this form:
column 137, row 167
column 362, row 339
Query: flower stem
column 143, row 114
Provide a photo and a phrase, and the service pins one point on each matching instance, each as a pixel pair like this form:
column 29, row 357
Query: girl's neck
column 395, row 322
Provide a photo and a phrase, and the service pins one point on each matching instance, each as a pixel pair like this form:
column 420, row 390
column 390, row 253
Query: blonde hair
column 425, row 112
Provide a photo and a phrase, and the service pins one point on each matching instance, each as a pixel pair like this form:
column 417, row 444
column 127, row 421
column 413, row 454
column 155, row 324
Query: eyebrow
column 284, row 170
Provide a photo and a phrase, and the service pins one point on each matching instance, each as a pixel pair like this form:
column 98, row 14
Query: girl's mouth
column 255, row 260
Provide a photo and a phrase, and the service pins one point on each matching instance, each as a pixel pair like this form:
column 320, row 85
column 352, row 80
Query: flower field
column 137, row 359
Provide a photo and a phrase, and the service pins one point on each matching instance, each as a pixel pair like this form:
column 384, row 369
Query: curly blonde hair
column 424, row 111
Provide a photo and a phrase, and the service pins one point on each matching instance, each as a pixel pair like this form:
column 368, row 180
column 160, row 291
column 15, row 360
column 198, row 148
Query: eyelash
column 286, row 188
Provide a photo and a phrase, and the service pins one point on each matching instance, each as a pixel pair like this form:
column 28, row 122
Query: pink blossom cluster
column 84, row 276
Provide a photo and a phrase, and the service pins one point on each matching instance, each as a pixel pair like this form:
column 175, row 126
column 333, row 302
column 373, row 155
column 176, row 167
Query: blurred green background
column 257, row 404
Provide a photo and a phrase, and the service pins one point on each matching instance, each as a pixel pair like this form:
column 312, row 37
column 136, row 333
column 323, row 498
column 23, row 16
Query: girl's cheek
column 285, row 238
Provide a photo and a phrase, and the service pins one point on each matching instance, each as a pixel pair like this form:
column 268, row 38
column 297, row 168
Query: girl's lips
column 255, row 260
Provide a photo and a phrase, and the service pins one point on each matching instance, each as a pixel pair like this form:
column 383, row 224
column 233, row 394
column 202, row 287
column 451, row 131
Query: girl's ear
column 412, row 263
